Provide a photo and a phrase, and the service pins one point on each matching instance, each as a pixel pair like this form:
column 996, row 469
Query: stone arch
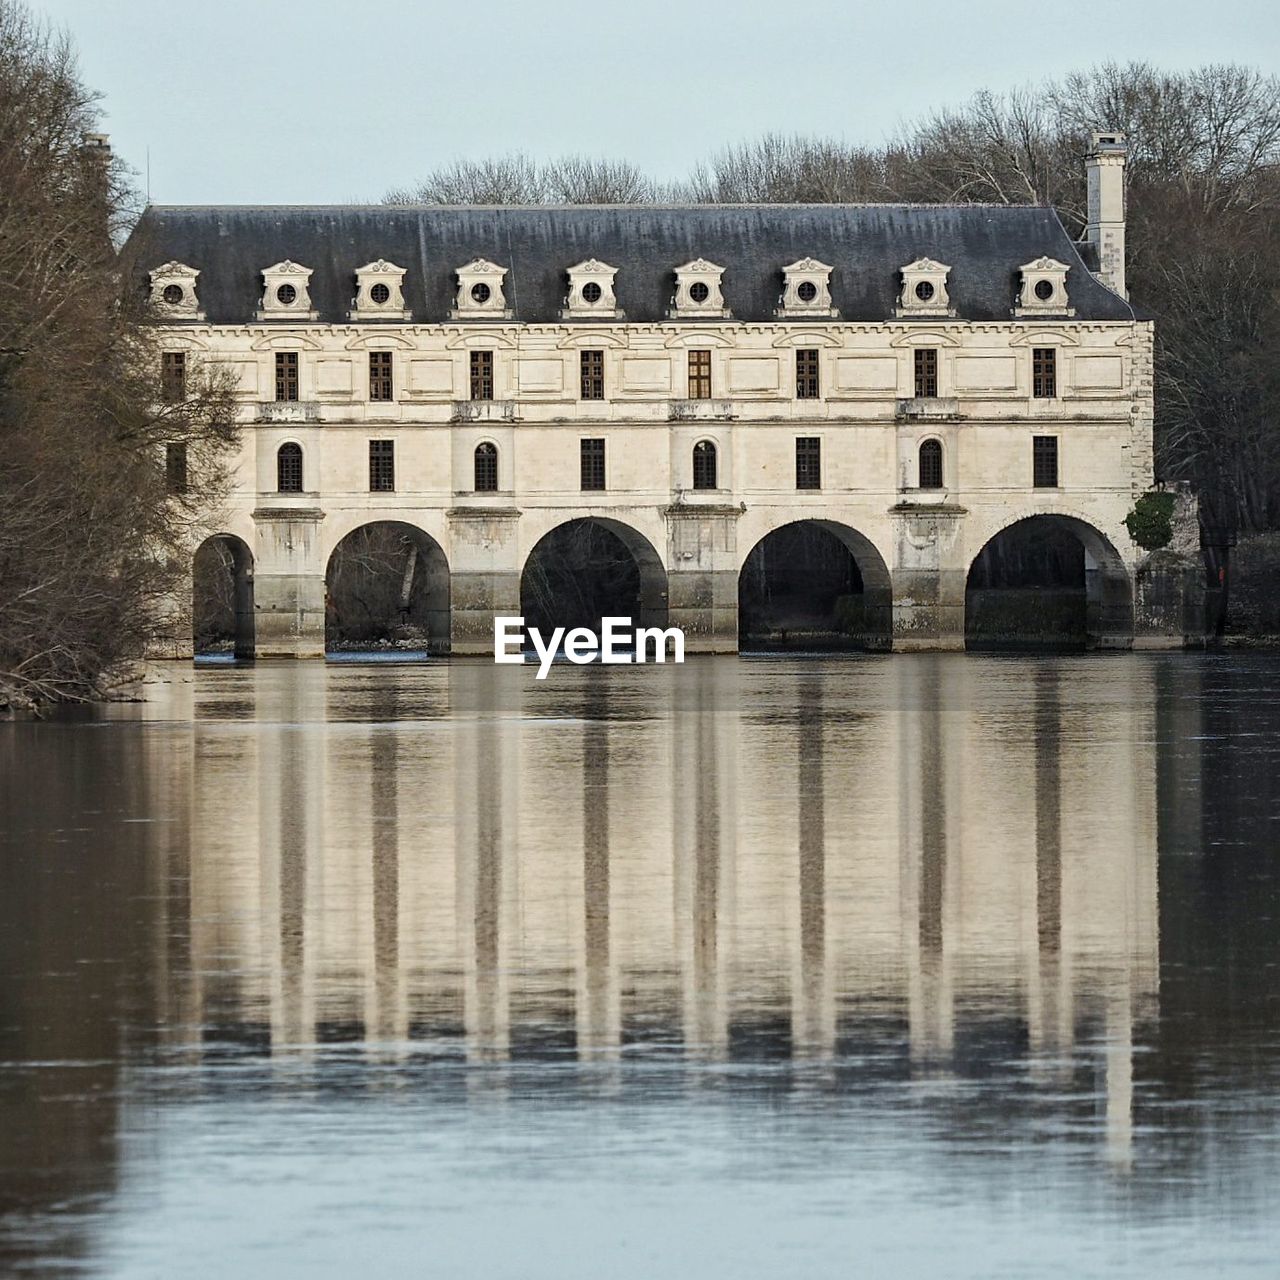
column 222, row 615
column 1101, row 616
column 763, row 604
column 387, row 583
column 577, row 572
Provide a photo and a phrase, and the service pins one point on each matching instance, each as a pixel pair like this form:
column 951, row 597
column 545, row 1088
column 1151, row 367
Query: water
column 900, row 966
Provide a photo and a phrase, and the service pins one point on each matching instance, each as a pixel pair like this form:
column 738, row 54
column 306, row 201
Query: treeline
column 1203, row 236
column 92, row 537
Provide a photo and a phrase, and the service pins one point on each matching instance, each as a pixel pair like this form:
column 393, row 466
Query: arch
column 222, row 619
column 289, row 474
column 485, row 467
column 1048, row 580
column 590, row 567
column 705, row 465
column 929, row 464
column 387, row 583
column 814, row 583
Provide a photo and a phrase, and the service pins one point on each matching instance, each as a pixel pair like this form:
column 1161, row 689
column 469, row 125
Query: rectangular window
column 926, row 373
column 699, row 375
column 1044, row 462
column 286, row 375
column 380, row 387
column 808, row 462
column 592, row 464
column 593, row 375
column 173, row 375
column 175, row 467
column 482, row 375
column 382, row 466
column 1044, row 372
column 807, row 385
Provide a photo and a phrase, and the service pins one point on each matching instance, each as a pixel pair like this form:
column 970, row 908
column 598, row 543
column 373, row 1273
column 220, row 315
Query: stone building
column 914, row 380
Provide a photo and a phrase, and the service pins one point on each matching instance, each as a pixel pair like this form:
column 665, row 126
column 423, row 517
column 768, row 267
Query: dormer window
column 173, row 291
column 286, row 293
column 480, row 292
column 698, row 294
column 1044, row 289
column 591, row 295
column 379, row 292
column 924, row 289
column 806, row 291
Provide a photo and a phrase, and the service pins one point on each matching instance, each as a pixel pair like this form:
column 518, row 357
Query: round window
column 380, row 294
column 807, row 291
column 1044, row 290
column 924, row 291
column 699, row 292
column 480, row 294
column 286, row 295
column 591, row 292
column 172, row 294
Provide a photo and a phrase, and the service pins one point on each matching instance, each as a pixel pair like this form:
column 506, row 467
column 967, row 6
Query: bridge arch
column 814, row 582
column 387, row 582
column 1049, row 579
column 222, row 618
column 590, row 567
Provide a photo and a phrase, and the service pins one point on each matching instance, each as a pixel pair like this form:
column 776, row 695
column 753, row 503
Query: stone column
column 702, row 578
column 929, row 574
column 484, row 577
column 288, row 583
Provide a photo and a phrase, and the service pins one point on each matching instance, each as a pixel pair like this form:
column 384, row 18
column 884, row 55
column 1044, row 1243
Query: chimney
column 97, row 145
column 1105, row 230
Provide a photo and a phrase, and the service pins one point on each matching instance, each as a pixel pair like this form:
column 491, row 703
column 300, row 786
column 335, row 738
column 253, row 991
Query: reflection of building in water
column 935, row 861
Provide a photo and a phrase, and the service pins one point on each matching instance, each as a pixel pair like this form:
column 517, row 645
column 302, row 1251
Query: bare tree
column 92, row 542
column 518, row 179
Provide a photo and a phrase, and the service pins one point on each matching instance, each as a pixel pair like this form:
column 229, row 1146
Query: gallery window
column 482, row 374
column 175, row 467
column 807, row 384
column 382, row 466
column 173, row 375
column 808, row 462
column 380, row 385
column 699, row 375
column 1044, row 462
column 1044, row 372
column 286, row 375
column 704, row 465
column 926, row 362
column 592, row 369
column 486, row 468
column 592, row 464
column 289, row 468
column 931, row 464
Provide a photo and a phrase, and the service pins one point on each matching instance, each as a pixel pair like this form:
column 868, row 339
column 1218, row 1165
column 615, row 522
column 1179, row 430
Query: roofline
column 564, row 208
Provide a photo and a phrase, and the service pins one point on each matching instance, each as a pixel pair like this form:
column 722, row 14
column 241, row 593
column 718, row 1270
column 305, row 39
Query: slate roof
column 866, row 244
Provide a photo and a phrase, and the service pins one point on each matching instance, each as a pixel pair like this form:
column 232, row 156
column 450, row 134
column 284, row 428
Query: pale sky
column 280, row 101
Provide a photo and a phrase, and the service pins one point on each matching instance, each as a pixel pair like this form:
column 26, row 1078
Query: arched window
column 931, row 464
column 289, row 468
column 704, row 465
column 486, row 468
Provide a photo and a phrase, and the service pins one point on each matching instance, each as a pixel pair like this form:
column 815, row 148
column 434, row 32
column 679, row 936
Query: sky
column 319, row 101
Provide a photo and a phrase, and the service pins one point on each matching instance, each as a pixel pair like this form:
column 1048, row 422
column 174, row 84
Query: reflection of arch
column 387, row 581
column 857, row 612
column 1033, row 555
column 588, row 568
column 222, row 596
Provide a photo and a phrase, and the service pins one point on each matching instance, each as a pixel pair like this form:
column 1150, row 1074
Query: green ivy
column 1150, row 523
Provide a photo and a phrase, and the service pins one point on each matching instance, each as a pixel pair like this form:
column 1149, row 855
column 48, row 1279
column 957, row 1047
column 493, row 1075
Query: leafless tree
column 519, row 179
column 92, row 542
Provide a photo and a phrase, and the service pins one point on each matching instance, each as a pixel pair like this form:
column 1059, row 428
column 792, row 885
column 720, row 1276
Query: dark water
column 914, row 966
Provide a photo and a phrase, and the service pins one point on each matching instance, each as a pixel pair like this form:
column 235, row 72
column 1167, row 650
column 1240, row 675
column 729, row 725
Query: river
column 879, row 966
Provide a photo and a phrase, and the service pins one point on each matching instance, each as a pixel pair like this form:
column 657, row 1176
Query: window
column 286, row 375
column 807, row 387
column 1044, row 462
column 704, row 465
column 699, row 375
column 1044, row 372
column 926, row 372
column 931, row 464
column 289, row 468
column 482, row 374
column 592, row 464
column 175, row 467
column 593, row 375
column 808, row 462
column 173, row 375
column 380, row 375
column 486, row 468
column 382, row 466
